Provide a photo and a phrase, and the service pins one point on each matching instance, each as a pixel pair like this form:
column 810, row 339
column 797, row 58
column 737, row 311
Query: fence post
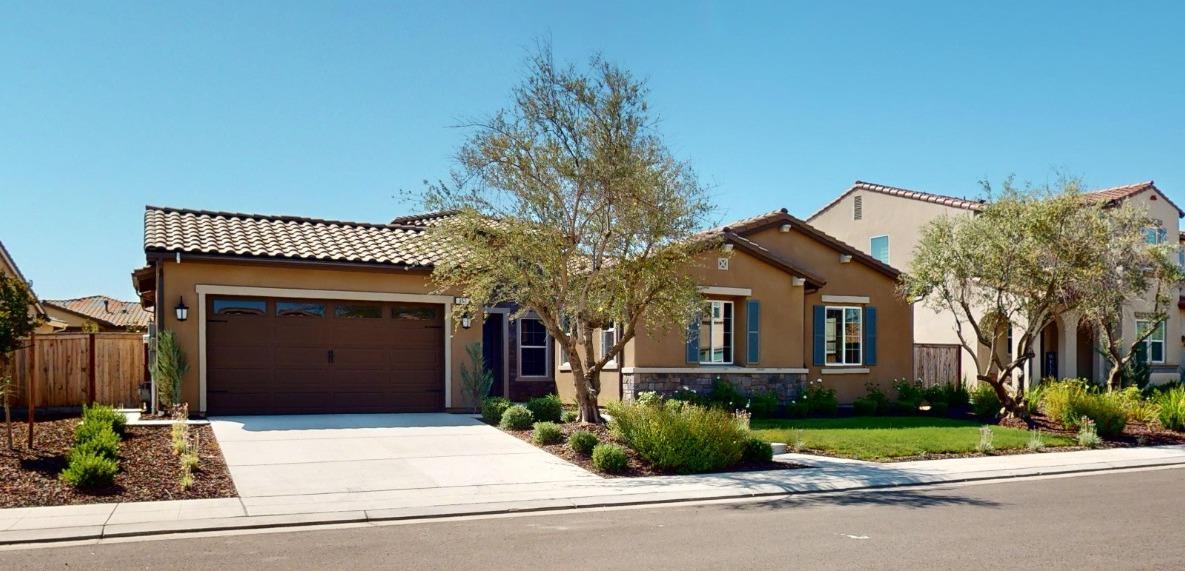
column 31, row 393
column 90, row 370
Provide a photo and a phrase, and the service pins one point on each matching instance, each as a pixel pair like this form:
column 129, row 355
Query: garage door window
column 532, row 347
column 412, row 313
column 240, row 307
column 358, row 311
column 299, row 309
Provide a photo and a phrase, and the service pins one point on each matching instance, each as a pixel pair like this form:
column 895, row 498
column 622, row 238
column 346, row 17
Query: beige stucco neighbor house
column 887, row 221
column 46, row 323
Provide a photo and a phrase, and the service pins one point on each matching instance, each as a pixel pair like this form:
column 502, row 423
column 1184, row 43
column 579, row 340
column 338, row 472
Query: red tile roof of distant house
column 108, row 310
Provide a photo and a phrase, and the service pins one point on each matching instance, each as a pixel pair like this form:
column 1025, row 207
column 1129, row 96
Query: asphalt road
column 1130, row 520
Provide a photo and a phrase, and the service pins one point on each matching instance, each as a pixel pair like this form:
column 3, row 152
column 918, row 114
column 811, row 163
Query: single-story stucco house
column 105, row 313
column 283, row 314
column 784, row 303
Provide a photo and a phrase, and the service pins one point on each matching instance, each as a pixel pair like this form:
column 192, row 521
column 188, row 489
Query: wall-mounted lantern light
column 466, row 321
column 182, row 310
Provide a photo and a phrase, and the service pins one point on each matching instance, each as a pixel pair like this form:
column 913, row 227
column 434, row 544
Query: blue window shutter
column 819, row 335
column 753, row 320
column 693, row 340
column 869, row 335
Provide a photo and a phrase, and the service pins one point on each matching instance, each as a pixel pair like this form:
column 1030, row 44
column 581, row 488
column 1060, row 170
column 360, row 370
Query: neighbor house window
column 715, row 333
column 532, row 348
column 1155, row 235
column 843, row 333
column 879, row 246
column 608, row 340
column 1153, row 346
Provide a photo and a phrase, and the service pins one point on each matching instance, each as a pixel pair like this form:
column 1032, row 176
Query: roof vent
column 858, row 208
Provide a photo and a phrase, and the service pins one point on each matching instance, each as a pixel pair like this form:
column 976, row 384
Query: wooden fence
column 937, row 364
column 70, row 369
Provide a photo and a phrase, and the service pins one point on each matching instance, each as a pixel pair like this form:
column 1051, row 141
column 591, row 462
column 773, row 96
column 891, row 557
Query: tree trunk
column 586, row 399
column 1114, row 375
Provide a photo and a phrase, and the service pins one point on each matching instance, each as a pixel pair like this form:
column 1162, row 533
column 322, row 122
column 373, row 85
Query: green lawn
column 884, row 437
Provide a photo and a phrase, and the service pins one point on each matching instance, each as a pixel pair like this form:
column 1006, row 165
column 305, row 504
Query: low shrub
column 726, row 396
column 957, row 395
column 1137, row 407
column 910, row 395
column 90, row 471
column 546, row 408
column 1069, row 401
column 89, row 429
column 1036, row 443
column 517, row 417
column 864, row 406
column 939, row 408
column 609, row 458
column 1107, row 412
column 649, row 398
column 763, row 403
column 1088, row 436
column 797, row 409
column 492, row 409
column 757, row 450
column 878, row 398
column 104, row 443
column 1171, row 409
column 684, row 439
column 903, row 408
column 985, row 441
column 569, row 416
column 102, row 413
column 547, row 433
column 582, row 442
column 820, row 400
column 985, row 402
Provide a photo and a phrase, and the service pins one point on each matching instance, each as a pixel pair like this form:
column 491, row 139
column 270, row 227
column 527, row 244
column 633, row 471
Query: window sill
column 532, row 379
column 833, row 370
column 610, row 366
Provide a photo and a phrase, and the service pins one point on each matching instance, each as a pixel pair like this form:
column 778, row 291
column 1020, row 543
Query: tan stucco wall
column 894, row 345
column 181, row 280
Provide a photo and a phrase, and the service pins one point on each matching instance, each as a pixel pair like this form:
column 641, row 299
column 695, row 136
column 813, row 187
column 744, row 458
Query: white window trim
column 842, row 340
column 888, row 243
column 731, row 333
column 1163, row 327
column 601, row 354
column 546, row 350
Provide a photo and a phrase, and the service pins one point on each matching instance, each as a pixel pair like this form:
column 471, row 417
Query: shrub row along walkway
column 823, row 475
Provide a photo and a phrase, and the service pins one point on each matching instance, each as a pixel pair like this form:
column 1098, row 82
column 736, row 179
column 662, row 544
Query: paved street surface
column 1125, row 520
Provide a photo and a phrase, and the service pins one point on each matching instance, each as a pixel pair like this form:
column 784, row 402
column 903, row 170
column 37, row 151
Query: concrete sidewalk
column 96, row 521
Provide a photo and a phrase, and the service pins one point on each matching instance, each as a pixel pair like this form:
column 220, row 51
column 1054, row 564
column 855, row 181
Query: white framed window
column 1155, row 235
column 608, row 340
column 844, row 335
column 878, row 246
column 532, row 348
column 1153, row 346
column 715, row 333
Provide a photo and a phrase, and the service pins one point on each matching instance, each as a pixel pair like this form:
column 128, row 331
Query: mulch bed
column 637, row 466
column 148, row 468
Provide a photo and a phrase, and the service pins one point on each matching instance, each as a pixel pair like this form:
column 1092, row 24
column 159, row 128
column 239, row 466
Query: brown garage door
column 284, row 356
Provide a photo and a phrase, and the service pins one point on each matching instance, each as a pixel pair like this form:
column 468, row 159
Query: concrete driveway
column 326, row 454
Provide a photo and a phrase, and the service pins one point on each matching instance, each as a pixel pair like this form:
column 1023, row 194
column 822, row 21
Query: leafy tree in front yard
column 1030, row 255
column 570, row 205
column 16, row 324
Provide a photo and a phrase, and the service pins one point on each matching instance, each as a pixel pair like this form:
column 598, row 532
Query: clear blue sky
column 328, row 110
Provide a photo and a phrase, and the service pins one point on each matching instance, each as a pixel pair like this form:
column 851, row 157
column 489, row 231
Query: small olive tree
column 570, row 205
column 1030, row 255
column 17, row 322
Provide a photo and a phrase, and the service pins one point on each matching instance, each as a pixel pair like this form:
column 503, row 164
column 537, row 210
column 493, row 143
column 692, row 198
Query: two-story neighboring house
column 887, row 223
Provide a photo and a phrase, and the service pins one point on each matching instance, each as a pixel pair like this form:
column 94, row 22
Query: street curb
column 148, row 529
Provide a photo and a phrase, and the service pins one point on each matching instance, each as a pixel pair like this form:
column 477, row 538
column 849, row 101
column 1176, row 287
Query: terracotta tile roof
column 942, row 199
column 105, row 309
column 1117, row 193
column 423, row 219
column 777, row 217
column 168, row 230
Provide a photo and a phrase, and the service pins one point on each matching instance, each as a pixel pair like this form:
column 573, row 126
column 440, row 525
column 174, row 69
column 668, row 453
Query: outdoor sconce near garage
column 466, row 319
column 182, row 310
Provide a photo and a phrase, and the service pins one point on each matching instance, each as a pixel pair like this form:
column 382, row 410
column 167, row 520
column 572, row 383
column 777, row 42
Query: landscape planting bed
column 148, row 468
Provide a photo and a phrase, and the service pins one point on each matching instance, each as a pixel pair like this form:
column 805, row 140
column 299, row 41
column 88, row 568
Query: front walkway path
column 823, row 475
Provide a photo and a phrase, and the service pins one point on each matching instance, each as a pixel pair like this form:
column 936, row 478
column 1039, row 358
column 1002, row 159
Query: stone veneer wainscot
column 787, row 385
